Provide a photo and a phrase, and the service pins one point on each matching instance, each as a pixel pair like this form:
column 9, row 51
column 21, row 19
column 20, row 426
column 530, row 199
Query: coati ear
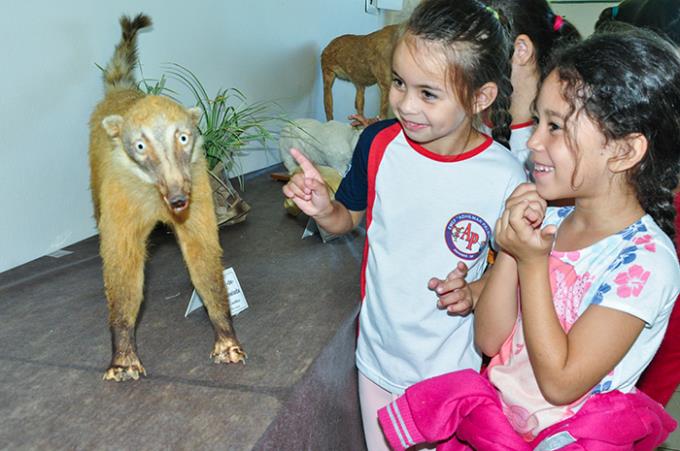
column 195, row 113
column 113, row 125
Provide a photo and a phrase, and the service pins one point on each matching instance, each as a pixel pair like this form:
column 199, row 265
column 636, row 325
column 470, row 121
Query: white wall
column 49, row 84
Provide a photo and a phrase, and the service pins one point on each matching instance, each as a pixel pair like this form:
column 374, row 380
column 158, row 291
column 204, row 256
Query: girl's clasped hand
column 518, row 230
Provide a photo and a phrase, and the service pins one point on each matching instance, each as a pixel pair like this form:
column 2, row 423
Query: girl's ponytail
column 565, row 32
column 655, row 194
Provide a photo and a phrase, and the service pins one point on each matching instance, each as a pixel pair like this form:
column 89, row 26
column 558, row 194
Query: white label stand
column 237, row 300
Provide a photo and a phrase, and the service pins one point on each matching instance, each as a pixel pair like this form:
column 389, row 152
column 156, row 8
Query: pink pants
column 372, row 397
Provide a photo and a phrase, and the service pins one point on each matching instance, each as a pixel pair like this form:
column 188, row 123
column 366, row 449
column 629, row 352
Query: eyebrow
column 428, row 87
column 550, row 112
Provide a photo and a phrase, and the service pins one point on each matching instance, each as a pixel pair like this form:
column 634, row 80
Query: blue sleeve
column 353, row 190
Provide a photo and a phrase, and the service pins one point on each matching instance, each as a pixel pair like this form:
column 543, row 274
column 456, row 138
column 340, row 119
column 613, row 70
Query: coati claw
column 125, row 365
column 233, row 354
column 122, row 374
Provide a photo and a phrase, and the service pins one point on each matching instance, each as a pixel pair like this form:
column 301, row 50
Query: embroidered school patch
column 467, row 235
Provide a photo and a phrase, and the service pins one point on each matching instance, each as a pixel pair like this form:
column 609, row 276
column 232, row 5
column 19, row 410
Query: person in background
column 661, row 16
column 537, row 33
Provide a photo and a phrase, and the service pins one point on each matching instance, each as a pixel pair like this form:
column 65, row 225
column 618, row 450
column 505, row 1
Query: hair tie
column 494, row 12
column 557, row 23
column 615, row 11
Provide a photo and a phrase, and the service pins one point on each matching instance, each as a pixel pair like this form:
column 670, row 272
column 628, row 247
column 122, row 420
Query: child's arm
column 566, row 365
column 309, row 192
column 496, row 309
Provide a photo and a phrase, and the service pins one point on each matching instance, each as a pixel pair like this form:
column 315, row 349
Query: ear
column 485, row 96
column 195, row 113
column 636, row 145
column 113, row 125
column 524, row 51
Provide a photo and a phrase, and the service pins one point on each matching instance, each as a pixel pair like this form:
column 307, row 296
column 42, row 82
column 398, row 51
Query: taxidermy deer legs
column 384, row 97
column 359, row 99
column 328, row 79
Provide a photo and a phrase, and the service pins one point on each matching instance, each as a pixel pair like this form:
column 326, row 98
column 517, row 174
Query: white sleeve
column 643, row 281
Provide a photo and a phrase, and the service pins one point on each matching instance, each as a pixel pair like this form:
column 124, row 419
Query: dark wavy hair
column 477, row 45
column 661, row 16
column 536, row 19
column 628, row 83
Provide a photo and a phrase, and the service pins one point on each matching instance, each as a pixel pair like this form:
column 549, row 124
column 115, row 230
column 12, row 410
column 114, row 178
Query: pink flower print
column 631, row 282
column 568, row 289
column 573, row 256
column 646, row 240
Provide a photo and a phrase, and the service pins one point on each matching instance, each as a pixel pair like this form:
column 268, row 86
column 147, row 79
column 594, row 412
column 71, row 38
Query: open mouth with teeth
column 543, row 169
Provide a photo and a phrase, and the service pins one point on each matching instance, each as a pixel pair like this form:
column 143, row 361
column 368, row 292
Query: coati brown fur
column 363, row 60
column 147, row 165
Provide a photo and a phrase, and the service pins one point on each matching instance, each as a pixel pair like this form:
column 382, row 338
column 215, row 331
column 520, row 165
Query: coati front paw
column 124, row 366
column 228, row 351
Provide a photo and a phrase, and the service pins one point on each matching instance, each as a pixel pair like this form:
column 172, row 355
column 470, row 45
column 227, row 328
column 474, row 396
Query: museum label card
column 237, row 300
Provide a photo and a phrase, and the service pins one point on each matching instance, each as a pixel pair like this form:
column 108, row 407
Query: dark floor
column 297, row 390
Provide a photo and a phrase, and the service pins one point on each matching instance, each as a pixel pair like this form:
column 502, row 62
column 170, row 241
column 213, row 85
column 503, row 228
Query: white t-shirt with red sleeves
column 425, row 212
column 635, row 271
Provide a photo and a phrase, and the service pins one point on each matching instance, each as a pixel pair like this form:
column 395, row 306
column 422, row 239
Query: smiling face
column 569, row 152
column 423, row 99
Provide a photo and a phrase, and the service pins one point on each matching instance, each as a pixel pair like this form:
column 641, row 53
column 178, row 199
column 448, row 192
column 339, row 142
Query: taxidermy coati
column 147, row 165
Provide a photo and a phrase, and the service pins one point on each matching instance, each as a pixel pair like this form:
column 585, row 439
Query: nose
column 404, row 103
column 178, row 202
column 534, row 143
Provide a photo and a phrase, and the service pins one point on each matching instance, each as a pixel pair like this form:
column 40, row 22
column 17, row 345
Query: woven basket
column 230, row 208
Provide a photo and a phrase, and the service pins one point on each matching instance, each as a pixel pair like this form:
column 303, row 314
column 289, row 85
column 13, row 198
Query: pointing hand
column 308, row 189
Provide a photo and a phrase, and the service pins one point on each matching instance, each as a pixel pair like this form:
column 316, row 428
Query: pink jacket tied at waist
column 462, row 411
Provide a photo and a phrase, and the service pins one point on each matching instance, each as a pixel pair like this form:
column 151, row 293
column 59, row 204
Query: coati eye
column 183, row 138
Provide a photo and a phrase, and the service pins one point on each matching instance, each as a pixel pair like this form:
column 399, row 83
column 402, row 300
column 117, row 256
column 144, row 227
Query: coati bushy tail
column 119, row 71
